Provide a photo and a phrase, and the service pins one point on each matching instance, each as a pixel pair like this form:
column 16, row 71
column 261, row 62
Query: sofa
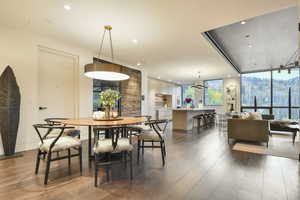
column 249, row 130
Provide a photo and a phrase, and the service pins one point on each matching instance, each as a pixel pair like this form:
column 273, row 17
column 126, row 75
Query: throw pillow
column 255, row 116
column 245, row 116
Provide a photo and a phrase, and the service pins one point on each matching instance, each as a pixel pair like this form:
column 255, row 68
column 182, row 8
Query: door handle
column 42, row 108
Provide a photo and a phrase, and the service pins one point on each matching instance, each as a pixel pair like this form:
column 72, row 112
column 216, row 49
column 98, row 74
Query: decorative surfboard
column 9, row 111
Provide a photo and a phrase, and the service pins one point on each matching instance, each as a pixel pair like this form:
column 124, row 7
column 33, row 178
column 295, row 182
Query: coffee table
column 285, row 126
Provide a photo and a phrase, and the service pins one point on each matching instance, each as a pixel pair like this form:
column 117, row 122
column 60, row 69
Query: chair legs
column 138, row 151
column 38, row 159
column 49, row 158
column 80, row 160
column 162, row 153
column 69, row 160
column 107, row 165
column 96, row 172
column 141, row 145
column 47, row 168
column 131, row 168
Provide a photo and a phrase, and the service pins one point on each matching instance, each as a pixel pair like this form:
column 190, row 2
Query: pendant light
column 105, row 71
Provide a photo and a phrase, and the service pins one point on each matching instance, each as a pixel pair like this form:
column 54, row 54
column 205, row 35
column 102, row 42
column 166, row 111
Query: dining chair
column 48, row 146
column 113, row 148
column 155, row 135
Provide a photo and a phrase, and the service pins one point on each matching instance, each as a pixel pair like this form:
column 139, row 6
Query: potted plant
column 108, row 99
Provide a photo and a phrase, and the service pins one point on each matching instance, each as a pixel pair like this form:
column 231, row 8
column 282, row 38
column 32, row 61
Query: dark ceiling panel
column 262, row 42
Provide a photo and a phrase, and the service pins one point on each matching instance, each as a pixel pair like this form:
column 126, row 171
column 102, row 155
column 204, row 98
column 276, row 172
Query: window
column 256, row 85
column 275, row 92
column 98, row 87
column 213, row 93
column 188, row 92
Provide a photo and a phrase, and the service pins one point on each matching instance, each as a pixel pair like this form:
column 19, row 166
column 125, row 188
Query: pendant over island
column 183, row 117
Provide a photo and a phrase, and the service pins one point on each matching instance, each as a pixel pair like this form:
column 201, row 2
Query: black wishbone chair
column 117, row 141
column 49, row 145
column 156, row 135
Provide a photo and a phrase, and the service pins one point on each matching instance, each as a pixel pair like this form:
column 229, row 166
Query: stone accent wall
column 131, row 93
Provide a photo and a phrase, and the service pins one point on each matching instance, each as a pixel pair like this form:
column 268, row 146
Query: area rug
column 280, row 145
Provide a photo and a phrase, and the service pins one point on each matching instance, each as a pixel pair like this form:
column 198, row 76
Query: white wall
column 19, row 49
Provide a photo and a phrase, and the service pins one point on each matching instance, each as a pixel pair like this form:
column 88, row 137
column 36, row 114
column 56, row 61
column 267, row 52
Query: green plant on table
column 108, row 99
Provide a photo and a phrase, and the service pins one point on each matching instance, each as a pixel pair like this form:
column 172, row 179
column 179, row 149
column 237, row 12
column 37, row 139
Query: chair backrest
column 48, row 127
column 54, row 120
column 148, row 117
column 156, row 126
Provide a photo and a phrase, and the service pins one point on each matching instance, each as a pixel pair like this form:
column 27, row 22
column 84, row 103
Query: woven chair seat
column 106, row 146
column 63, row 143
column 150, row 135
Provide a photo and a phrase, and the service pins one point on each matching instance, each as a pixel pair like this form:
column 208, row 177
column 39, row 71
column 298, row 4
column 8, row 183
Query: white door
column 57, row 84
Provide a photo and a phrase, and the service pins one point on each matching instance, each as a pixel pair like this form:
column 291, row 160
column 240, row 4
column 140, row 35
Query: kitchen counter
column 183, row 117
column 194, row 109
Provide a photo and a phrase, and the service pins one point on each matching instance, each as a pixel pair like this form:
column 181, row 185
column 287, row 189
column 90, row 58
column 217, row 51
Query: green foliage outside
column 189, row 92
column 214, row 94
column 215, row 97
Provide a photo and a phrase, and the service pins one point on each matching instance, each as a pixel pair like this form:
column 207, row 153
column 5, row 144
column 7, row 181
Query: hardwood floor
column 198, row 166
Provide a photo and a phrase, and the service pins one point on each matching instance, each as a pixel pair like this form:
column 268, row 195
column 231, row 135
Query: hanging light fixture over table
column 105, row 71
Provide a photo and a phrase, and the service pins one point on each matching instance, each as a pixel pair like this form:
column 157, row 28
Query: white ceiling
column 170, row 44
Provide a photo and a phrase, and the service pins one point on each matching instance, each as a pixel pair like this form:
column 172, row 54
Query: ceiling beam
column 215, row 44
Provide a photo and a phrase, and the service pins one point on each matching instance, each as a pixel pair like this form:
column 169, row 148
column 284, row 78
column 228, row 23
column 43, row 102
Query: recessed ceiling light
column 135, row 41
column 67, row 7
column 138, row 64
column 249, row 45
column 158, row 77
column 243, row 22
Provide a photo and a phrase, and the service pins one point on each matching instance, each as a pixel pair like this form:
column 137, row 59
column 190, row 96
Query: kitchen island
column 183, row 117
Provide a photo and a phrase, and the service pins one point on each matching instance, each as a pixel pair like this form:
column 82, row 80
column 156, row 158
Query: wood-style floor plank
column 198, row 166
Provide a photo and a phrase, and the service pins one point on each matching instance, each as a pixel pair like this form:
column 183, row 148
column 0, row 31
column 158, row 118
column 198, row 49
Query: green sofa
column 249, row 130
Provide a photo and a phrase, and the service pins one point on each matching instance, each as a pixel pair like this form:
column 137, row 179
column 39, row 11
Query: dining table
column 90, row 123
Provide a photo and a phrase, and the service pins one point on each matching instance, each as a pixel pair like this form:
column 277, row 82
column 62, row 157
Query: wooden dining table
column 90, row 122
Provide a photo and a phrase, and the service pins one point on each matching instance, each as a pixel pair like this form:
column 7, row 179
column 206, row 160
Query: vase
column 108, row 112
column 98, row 115
column 188, row 105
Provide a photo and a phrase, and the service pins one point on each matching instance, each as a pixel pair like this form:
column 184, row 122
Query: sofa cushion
column 255, row 116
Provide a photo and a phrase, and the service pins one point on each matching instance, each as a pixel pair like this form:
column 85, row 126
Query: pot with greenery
column 108, row 99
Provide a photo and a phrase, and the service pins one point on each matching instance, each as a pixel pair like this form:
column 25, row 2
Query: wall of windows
column 188, row 92
column 268, row 93
column 213, row 93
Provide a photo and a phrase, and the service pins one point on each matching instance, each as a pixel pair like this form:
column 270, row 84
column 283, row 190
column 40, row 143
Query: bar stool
column 198, row 118
column 214, row 118
column 211, row 117
column 206, row 120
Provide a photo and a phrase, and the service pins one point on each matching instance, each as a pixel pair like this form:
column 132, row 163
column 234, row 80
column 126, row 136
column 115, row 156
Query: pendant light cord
column 111, row 47
column 101, row 44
